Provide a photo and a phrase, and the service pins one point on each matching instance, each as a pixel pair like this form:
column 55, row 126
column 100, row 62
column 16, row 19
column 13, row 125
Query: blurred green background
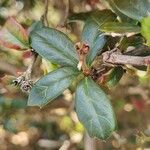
column 56, row 126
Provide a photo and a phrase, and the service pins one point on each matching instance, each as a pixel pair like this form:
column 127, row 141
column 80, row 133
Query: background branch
column 116, row 58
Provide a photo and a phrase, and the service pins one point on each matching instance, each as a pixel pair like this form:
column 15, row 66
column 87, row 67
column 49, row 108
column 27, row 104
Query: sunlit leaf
column 94, row 109
column 146, row 29
column 117, row 27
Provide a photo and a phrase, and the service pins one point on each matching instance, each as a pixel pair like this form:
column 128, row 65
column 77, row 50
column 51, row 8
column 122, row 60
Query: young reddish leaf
column 14, row 36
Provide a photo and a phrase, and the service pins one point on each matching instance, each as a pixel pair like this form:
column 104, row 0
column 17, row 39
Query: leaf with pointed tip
column 117, row 27
column 135, row 9
column 54, row 46
column 94, row 38
column 94, row 109
column 14, row 36
column 51, row 86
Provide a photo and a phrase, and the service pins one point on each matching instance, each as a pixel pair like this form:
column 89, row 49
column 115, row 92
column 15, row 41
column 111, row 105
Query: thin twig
column 116, row 58
column 44, row 17
column 28, row 72
column 66, row 10
column 24, row 81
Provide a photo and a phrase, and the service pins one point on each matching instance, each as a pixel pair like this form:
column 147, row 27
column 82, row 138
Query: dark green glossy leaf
column 135, row 9
column 94, row 38
column 94, row 109
column 140, row 50
column 91, row 33
column 111, row 5
column 115, row 76
column 96, row 16
column 51, row 86
column 117, row 27
column 54, row 46
column 146, row 29
column 135, row 41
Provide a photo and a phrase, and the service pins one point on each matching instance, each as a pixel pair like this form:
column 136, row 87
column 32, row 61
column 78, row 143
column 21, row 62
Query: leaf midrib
column 97, row 115
column 50, row 45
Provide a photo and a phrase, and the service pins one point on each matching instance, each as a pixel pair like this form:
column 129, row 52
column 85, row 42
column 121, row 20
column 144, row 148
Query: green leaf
column 36, row 26
column 14, row 36
column 96, row 16
column 51, row 86
column 18, row 104
column 94, row 109
column 94, row 38
column 115, row 76
column 135, row 9
column 111, row 5
column 135, row 41
column 117, row 27
column 91, row 33
column 145, row 23
column 54, row 46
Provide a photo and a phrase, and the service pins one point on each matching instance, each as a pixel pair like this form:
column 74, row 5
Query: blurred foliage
column 56, row 126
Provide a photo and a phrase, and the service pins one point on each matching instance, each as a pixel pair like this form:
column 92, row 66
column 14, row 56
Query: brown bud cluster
column 25, row 85
column 82, row 48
